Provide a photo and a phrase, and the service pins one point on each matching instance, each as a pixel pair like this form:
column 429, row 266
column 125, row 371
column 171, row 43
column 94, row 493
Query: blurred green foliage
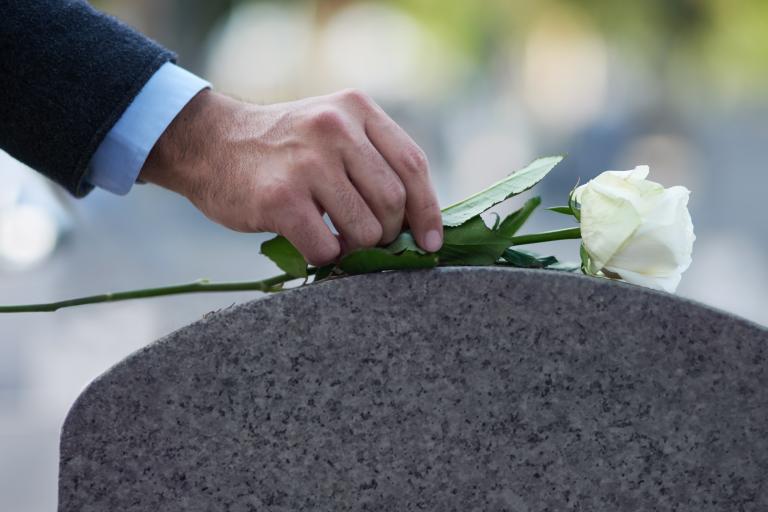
column 727, row 39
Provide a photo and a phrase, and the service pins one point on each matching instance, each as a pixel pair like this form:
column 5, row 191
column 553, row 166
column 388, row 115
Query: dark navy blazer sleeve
column 67, row 73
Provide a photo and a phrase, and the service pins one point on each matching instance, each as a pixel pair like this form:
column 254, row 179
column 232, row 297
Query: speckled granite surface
column 450, row 390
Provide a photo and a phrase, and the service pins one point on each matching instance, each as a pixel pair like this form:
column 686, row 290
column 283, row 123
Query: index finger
column 410, row 163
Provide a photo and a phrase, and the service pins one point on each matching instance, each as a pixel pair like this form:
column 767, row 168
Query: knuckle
column 356, row 97
column 328, row 119
column 278, row 194
column 393, row 196
column 414, row 160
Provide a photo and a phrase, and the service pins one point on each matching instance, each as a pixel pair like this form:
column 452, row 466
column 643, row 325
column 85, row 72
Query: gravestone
column 466, row 389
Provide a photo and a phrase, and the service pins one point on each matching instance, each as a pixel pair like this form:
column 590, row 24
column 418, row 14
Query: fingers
column 304, row 227
column 354, row 220
column 341, row 155
column 379, row 186
column 410, row 164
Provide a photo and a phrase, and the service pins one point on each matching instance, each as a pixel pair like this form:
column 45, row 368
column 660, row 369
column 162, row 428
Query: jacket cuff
column 119, row 158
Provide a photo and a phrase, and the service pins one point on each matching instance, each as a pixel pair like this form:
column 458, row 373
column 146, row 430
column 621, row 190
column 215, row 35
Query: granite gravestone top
column 466, row 389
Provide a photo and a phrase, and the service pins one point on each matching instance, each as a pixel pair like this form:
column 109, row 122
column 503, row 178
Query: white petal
column 638, row 193
column 637, row 174
column 664, row 241
column 606, row 223
column 664, row 283
column 646, row 254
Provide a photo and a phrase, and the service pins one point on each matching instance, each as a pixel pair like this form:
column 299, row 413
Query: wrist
column 181, row 157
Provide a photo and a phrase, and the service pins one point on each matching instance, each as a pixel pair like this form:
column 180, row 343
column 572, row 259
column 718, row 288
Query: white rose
column 636, row 228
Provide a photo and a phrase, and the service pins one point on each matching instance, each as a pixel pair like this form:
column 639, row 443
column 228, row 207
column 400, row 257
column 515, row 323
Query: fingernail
column 433, row 241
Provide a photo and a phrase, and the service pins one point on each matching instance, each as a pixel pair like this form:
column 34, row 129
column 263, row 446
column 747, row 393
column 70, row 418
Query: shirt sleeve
column 118, row 160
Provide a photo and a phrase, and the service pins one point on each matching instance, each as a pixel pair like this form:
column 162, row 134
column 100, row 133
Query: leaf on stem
column 527, row 259
column 364, row 261
column 496, row 221
column 472, row 243
column 513, row 184
column 512, row 224
column 404, row 242
column 565, row 210
column 286, row 256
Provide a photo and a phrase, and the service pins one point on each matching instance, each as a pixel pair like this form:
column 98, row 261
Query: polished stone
column 466, row 389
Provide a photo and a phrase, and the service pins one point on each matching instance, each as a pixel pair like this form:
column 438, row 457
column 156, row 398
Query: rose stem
column 266, row 285
column 547, row 236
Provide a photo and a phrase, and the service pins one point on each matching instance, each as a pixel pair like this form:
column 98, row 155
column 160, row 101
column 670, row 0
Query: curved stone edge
column 581, row 282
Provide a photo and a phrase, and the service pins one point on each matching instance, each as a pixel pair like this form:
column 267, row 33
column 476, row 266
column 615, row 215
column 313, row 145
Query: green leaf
column 513, row 184
column 404, row 242
column 364, row 261
column 323, row 272
column 472, row 243
column 527, row 259
column 285, row 255
column 515, row 221
column 565, row 210
column 496, row 221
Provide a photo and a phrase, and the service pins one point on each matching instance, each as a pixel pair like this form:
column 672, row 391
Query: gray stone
column 472, row 389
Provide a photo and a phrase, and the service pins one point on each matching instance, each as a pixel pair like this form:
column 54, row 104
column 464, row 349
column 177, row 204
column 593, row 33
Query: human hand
column 279, row 168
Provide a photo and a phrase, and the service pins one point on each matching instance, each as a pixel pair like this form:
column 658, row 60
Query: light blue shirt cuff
column 118, row 160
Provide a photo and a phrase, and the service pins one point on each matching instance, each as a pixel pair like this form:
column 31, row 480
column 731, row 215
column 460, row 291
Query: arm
column 72, row 73
column 67, row 74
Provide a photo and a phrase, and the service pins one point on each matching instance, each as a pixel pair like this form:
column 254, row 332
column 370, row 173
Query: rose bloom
column 636, row 228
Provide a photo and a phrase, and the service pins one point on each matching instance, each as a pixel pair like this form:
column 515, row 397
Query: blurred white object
column 261, row 50
column 273, row 51
column 565, row 72
column 386, row 52
column 28, row 235
column 31, row 216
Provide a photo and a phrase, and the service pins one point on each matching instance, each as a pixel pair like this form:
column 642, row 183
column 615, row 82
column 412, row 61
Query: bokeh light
column 261, row 51
column 27, row 235
column 565, row 71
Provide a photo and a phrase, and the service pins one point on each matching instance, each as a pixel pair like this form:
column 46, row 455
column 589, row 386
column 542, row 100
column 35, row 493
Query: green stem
column 265, row 285
column 547, row 236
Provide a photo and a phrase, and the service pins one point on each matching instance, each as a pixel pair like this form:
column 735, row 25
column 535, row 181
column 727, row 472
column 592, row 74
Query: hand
column 279, row 168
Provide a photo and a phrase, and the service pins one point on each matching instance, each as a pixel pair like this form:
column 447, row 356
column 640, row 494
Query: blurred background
column 483, row 86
